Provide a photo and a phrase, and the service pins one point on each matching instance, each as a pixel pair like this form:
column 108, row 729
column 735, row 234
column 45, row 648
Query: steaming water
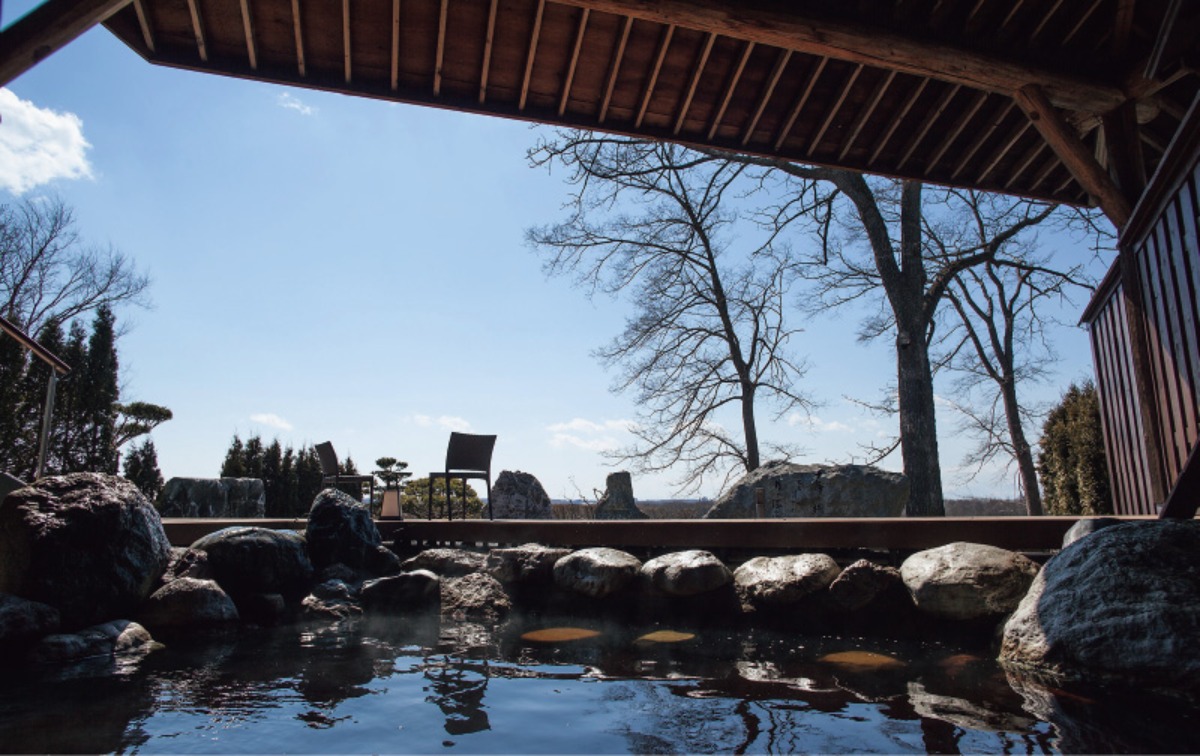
column 397, row 688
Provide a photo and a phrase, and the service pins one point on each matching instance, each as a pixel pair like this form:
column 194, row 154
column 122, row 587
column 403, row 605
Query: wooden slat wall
column 1164, row 239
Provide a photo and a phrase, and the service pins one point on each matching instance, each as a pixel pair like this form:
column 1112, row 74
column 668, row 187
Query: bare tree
column 997, row 344
column 47, row 273
column 878, row 236
column 709, row 332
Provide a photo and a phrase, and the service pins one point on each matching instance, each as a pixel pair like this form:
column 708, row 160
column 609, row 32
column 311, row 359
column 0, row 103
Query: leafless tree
column 657, row 221
column 997, row 343
column 47, row 272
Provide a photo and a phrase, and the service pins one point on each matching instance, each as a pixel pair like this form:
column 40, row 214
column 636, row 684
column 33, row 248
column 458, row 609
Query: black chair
column 329, row 468
column 467, row 456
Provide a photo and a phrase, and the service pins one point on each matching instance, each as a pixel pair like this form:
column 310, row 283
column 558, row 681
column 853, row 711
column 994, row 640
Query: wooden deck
column 1028, row 534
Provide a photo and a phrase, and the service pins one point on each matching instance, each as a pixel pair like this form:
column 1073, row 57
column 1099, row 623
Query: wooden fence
column 1145, row 330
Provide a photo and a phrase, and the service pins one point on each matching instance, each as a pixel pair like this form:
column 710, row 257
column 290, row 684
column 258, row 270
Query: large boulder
column 779, row 581
column 419, row 590
column 792, row 490
column 446, row 562
column 478, row 597
column 861, row 583
column 340, row 530
column 88, row 544
column 686, row 573
column 22, row 622
column 520, row 496
column 213, row 497
column 1121, row 605
column 531, row 564
column 617, row 503
column 963, row 581
column 596, row 572
column 248, row 561
column 188, row 603
column 1086, row 527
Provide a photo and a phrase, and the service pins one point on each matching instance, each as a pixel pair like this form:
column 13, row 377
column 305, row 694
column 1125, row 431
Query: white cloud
column 271, row 420
column 816, row 424
column 448, row 422
column 291, row 102
column 588, row 434
column 38, row 145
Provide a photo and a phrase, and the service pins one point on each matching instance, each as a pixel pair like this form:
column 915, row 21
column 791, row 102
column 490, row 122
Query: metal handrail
column 58, row 367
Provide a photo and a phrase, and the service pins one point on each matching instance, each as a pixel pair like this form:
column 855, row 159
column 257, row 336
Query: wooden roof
column 957, row 92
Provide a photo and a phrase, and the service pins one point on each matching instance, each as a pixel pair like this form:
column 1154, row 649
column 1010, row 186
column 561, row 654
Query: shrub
column 1072, row 464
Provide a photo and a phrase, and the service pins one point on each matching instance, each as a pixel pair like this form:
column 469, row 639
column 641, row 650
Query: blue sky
column 334, row 268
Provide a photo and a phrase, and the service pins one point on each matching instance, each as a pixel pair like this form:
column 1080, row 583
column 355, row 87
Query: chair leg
column 429, row 511
column 489, row 495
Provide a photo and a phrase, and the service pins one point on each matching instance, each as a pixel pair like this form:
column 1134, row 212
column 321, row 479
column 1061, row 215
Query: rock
column 520, row 496
column 8, row 484
column 478, row 597
column 777, row 581
column 596, row 572
column 258, row 560
column 340, row 530
column 792, row 490
column 187, row 563
column 418, row 590
column 261, row 608
column 107, row 639
column 1087, row 526
column 1122, row 605
column 88, row 544
column 617, row 502
column 962, row 581
column 978, row 713
column 213, row 497
column 316, row 607
column 531, row 564
column 861, row 582
column 339, row 572
column 686, row 573
column 187, row 603
column 335, row 589
column 446, row 562
column 22, row 622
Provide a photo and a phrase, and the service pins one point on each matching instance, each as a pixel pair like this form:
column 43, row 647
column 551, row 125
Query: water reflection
column 408, row 686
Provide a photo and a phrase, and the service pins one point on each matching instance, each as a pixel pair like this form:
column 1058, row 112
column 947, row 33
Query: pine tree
column 1072, row 464
column 234, row 465
column 414, row 499
column 99, row 401
column 253, row 458
column 308, row 478
column 272, row 473
column 141, row 468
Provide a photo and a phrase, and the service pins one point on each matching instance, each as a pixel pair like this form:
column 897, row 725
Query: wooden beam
column 1124, row 147
column 1122, row 27
column 395, row 45
column 487, row 52
column 833, row 111
column 658, row 61
column 1160, row 40
column 45, row 29
column 982, row 138
column 143, row 16
column 346, row 38
column 697, row 71
column 299, row 33
column 198, row 29
column 1074, row 155
column 1083, row 18
column 865, row 115
column 801, row 101
column 928, row 125
column 529, row 58
column 1026, row 161
column 566, row 90
column 1049, row 14
column 948, row 140
column 440, row 53
column 729, row 89
column 780, row 64
column 248, row 29
column 908, row 105
column 618, row 56
column 792, row 28
column 1004, row 150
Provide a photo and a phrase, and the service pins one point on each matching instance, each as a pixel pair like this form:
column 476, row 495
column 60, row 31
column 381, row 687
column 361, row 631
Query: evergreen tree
column 141, row 468
column 308, row 477
column 414, row 499
column 254, row 457
column 98, row 402
column 12, row 371
column 234, row 465
column 272, row 470
column 1072, row 464
column 287, row 499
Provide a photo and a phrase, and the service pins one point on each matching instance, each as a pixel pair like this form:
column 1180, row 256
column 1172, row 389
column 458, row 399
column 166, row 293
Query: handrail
column 44, row 354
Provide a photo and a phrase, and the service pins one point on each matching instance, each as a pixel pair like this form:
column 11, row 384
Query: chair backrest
column 328, row 457
column 468, row 451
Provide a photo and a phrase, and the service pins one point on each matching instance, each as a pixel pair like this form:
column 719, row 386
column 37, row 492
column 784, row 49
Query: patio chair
column 329, row 468
column 467, row 456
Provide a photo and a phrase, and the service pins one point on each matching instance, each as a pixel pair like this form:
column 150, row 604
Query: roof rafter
column 47, row 28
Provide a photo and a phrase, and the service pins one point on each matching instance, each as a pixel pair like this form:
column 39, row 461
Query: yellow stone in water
column 559, row 634
column 862, row 660
column 665, row 636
